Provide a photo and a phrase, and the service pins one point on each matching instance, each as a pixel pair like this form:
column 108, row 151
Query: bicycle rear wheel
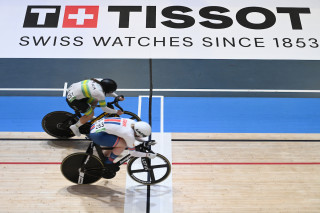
column 57, row 124
column 71, row 165
column 147, row 171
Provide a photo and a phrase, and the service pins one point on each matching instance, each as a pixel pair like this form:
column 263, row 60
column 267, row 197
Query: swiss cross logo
column 74, row 16
column 80, row 17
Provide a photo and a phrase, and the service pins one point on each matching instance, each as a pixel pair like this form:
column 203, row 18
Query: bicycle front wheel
column 71, row 166
column 126, row 114
column 149, row 171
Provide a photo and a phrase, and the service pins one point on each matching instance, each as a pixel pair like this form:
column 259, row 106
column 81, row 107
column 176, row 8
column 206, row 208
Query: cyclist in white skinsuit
column 120, row 133
column 83, row 96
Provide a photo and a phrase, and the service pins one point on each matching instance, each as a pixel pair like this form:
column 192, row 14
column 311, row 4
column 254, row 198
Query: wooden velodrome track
column 218, row 173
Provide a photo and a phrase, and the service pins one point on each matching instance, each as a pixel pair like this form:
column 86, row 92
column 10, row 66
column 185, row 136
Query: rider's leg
column 104, row 139
column 116, row 151
column 84, row 119
column 84, row 107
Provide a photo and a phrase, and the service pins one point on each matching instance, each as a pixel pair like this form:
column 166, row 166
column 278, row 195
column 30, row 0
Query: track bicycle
column 57, row 123
column 88, row 167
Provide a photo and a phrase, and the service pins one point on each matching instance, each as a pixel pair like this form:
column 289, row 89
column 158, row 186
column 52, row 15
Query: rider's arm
column 138, row 154
column 134, row 153
column 103, row 104
column 132, row 150
column 120, row 97
column 142, row 139
column 112, row 94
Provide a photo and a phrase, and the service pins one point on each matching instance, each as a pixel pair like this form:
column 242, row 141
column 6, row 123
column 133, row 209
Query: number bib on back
column 70, row 97
column 98, row 126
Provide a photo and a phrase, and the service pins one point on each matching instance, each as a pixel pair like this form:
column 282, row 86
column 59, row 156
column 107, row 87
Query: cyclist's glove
column 119, row 96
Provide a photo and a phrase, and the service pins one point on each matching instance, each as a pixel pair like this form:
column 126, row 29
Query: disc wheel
column 71, row 165
column 149, row 171
column 57, row 124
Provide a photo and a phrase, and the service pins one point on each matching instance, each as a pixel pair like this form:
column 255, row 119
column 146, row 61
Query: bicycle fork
column 81, row 170
column 86, row 160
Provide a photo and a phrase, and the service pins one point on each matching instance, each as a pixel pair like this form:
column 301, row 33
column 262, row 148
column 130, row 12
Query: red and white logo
column 80, row 17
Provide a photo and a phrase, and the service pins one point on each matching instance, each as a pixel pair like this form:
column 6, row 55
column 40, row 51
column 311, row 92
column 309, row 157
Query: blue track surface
column 215, row 115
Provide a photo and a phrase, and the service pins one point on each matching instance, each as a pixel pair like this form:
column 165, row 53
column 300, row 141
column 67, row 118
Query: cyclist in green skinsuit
column 83, row 96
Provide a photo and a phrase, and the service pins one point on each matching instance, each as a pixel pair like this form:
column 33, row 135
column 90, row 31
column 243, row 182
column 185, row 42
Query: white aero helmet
column 142, row 129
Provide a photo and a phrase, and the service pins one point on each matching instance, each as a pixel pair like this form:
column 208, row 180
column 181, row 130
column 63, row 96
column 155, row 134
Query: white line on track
column 174, row 90
column 161, row 108
column 65, row 89
column 160, row 194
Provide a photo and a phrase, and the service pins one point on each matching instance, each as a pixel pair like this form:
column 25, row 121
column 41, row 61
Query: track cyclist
column 84, row 96
column 120, row 133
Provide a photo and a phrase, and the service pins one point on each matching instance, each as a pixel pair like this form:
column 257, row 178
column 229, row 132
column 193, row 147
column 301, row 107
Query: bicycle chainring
column 109, row 174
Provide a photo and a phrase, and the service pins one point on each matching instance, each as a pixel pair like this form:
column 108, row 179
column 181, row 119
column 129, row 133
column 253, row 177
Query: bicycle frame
column 102, row 157
column 87, row 168
column 99, row 117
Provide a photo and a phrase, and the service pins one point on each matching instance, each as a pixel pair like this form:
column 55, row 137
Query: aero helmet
column 142, row 129
column 108, row 85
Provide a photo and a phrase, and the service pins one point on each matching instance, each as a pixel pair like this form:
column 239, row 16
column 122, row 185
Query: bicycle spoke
column 138, row 171
column 159, row 166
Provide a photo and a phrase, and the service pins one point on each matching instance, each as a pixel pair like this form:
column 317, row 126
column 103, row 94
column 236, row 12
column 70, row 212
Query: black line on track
column 39, row 139
column 150, row 122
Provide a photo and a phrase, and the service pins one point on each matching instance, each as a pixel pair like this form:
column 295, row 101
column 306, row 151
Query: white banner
column 216, row 29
